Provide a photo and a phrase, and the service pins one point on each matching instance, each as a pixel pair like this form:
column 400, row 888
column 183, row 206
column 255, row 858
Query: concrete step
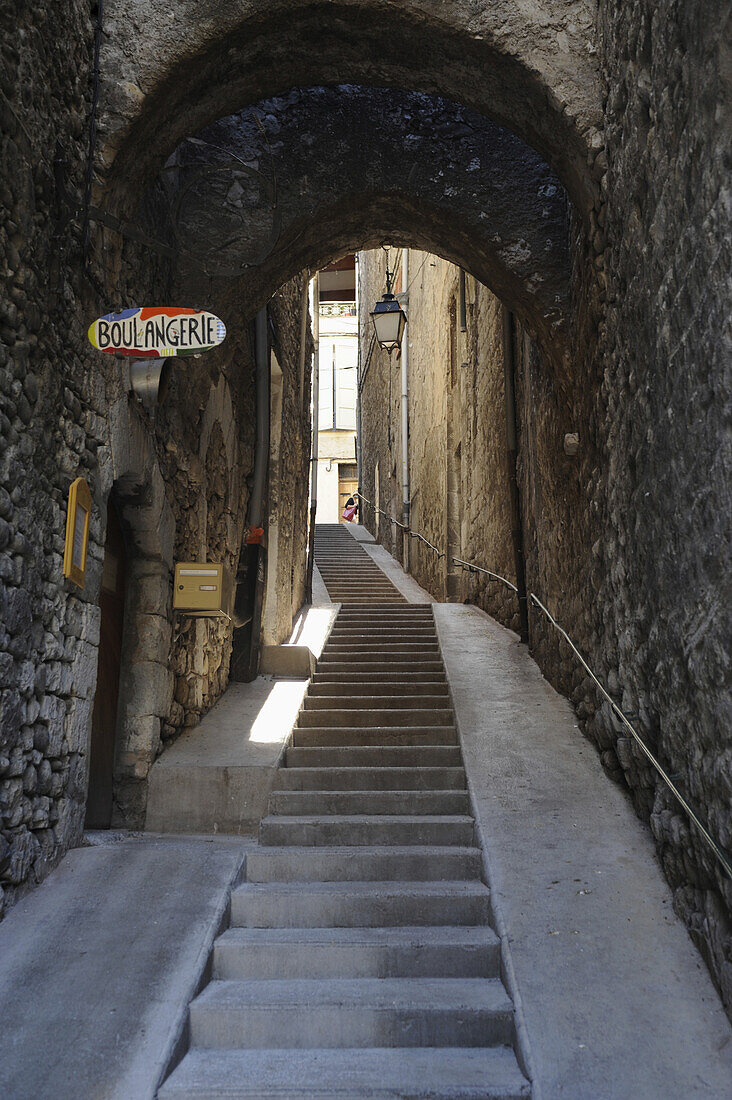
column 410, row 612
column 368, row 802
column 397, row 1012
column 395, row 649
column 367, row 678
column 370, row 779
column 387, row 756
column 381, row 735
column 372, row 701
column 346, row 688
column 385, row 630
column 450, row 951
column 383, row 638
column 412, row 863
column 421, row 611
column 369, row 829
column 368, row 1074
column 358, row 904
column 362, row 587
column 362, row 599
column 356, row 669
column 373, row 717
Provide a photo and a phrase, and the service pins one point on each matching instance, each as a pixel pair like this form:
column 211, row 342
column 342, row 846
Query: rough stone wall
column 66, row 411
column 665, row 416
column 451, row 374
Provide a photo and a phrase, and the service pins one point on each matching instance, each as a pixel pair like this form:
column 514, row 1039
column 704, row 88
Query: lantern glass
column 389, row 321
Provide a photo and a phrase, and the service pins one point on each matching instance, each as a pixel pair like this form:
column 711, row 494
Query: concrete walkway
column 97, row 965
column 616, row 999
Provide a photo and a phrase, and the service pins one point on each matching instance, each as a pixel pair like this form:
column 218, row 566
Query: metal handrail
column 721, row 855
column 404, row 526
column 719, row 852
column 416, row 535
column 473, row 568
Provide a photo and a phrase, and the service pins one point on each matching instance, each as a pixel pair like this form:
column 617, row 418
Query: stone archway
column 347, row 167
column 166, row 74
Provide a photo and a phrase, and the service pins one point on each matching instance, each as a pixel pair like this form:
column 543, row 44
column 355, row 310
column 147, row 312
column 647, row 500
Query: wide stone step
column 412, row 863
column 370, row 779
column 381, row 735
column 360, row 625
column 358, row 829
column 409, row 611
column 396, row 1012
column 372, row 701
column 348, row 597
column 369, row 1074
column 410, row 952
column 368, row 802
column 346, row 591
column 392, row 649
column 408, row 631
column 356, row 669
column 382, row 637
column 345, row 689
column 358, row 904
column 387, row 716
column 387, row 756
column 367, row 678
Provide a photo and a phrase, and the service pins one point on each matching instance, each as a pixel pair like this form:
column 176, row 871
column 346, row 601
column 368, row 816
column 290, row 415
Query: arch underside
column 167, row 73
column 302, row 178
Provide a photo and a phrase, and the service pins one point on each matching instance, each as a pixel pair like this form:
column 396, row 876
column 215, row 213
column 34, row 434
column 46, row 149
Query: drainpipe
column 261, row 450
column 315, row 299
column 509, row 371
column 251, row 573
column 359, row 365
column 405, row 416
column 463, row 306
column 304, row 330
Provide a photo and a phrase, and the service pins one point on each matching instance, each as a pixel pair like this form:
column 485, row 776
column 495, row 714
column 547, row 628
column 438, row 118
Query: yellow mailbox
column 203, row 589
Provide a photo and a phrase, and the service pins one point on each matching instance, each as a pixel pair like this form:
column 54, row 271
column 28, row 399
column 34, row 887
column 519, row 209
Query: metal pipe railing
column 721, row 855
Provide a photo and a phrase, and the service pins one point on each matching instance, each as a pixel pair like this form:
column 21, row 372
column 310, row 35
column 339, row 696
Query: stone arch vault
column 167, row 72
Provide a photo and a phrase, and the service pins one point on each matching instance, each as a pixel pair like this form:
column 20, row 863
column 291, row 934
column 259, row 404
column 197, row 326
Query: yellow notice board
column 77, row 531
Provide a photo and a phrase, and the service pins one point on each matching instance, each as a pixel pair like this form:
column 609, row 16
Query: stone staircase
column 360, row 961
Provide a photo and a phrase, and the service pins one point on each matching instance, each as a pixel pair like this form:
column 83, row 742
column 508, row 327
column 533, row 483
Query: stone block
column 77, row 724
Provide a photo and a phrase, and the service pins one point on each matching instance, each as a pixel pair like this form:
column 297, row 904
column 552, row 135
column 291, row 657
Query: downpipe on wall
column 404, row 362
column 517, row 535
column 315, row 306
column 251, row 574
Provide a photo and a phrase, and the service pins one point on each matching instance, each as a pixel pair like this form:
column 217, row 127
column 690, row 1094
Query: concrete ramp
column 217, row 777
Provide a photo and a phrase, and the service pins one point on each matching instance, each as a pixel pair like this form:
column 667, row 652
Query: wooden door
column 347, row 486
column 106, row 698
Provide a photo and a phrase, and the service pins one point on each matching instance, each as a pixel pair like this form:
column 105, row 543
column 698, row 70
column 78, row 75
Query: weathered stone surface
column 532, row 67
column 65, row 412
column 417, row 167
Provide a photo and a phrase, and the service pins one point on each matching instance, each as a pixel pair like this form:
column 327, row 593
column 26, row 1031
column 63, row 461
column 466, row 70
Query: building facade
column 338, row 349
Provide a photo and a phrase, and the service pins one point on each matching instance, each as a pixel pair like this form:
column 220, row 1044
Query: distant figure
column 351, row 509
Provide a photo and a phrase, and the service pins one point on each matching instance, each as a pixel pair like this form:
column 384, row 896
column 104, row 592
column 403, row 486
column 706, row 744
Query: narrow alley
column 365, row 534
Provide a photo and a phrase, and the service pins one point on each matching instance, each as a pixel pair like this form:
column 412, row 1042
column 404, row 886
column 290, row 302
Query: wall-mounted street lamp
column 389, row 318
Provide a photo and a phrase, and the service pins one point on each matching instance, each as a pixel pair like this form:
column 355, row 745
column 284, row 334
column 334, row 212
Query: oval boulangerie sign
column 152, row 332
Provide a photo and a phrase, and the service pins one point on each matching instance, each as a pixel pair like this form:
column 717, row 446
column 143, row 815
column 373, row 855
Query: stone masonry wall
column 665, row 419
column 66, row 411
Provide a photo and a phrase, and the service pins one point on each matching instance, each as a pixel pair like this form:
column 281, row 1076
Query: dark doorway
column 106, row 698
